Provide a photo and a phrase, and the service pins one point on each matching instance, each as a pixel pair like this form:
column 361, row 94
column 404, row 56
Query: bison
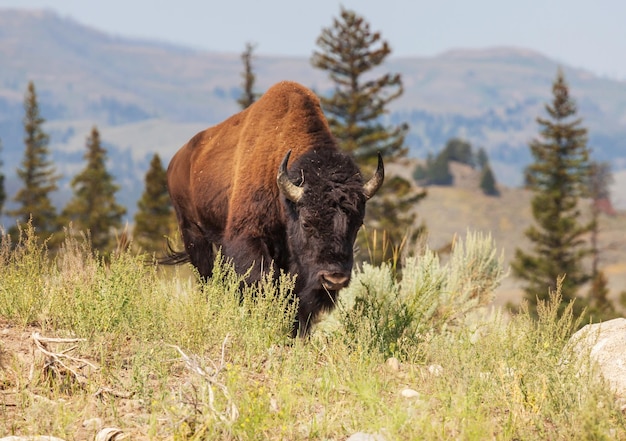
column 270, row 188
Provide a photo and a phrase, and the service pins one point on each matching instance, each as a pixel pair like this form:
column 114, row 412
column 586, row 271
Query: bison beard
column 233, row 188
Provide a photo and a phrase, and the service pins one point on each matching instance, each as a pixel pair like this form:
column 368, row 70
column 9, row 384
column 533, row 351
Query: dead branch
column 231, row 413
column 61, row 362
column 40, row 343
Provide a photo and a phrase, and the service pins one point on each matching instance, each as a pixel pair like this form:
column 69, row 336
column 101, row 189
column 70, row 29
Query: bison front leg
column 251, row 257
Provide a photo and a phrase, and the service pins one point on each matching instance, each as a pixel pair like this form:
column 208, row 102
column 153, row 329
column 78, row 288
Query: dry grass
column 450, row 212
column 161, row 357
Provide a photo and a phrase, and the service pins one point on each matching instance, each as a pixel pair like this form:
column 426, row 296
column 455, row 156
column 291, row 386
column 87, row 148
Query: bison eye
column 307, row 226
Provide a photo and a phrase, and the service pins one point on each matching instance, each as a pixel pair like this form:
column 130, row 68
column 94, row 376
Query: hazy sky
column 580, row 33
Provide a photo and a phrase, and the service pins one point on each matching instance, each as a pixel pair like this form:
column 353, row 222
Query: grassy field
column 87, row 343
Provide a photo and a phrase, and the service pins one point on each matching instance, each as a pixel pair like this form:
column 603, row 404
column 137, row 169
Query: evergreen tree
column 558, row 178
column 438, row 172
column 487, row 177
column 488, row 181
column 37, row 173
column 348, row 51
column 249, row 78
column 437, row 169
column 3, row 195
column 460, row 151
column 355, row 111
column 155, row 218
column 420, row 173
column 481, row 158
column 600, row 180
column 93, row 207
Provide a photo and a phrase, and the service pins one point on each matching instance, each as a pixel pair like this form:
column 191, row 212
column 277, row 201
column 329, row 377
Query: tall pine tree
column 558, row 178
column 155, row 218
column 248, row 97
column 349, row 51
column 38, row 174
column 93, row 207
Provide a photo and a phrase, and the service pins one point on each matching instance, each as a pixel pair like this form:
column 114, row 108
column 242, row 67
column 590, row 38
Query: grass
column 451, row 211
column 174, row 359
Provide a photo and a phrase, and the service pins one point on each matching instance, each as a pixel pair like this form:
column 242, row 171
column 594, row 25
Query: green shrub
column 393, row 316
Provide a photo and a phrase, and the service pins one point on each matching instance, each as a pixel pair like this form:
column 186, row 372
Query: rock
column 93, row 423
column 393, row 364
column 435, row 369
column 409, row 393
column 110, row 434
column 274, row 405
column 605, row 343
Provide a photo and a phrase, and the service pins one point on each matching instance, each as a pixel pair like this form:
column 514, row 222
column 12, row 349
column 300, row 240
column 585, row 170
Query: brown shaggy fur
column 223, row 187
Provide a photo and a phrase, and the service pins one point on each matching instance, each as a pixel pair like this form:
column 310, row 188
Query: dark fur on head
column 322, row 227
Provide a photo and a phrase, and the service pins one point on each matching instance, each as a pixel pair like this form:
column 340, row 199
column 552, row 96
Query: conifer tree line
column 92, row 209
column 436, row 170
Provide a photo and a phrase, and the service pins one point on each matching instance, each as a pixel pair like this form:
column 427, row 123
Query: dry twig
column 61, row 362
column 230, row 413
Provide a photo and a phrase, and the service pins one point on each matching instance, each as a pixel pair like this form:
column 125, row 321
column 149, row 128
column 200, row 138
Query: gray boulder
column 606, row 345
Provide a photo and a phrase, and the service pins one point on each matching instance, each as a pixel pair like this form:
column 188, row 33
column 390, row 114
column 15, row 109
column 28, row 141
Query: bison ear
column 286, row 187
column 371, row 187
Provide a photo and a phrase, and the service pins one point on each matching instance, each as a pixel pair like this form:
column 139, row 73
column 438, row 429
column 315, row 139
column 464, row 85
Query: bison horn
column 371, row 187
column 288, row 188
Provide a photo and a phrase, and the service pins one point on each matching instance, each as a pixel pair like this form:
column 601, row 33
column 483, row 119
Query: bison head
column 324, row 198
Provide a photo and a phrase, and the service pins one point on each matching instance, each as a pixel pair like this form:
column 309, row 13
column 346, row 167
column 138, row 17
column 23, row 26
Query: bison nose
column 334, row 281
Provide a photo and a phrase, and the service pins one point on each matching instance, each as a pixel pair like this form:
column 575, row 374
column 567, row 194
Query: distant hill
column 450, row 212
column 149, row 97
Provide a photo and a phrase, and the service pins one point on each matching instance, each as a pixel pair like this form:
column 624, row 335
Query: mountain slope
column 151, row 97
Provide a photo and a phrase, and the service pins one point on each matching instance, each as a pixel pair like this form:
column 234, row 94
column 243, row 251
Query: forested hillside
column 148, row 97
